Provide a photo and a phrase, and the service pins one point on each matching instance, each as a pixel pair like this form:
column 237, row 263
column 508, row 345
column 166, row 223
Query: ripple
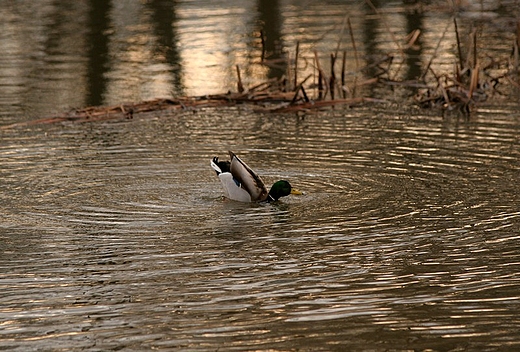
column 120, row 235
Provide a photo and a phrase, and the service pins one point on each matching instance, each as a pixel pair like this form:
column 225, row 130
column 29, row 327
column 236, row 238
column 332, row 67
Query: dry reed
column 470, row 82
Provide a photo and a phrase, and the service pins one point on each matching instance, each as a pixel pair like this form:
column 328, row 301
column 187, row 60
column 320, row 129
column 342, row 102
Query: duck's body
column 242, row 184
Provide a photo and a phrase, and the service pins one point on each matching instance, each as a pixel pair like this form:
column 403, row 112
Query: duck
column 241, row 183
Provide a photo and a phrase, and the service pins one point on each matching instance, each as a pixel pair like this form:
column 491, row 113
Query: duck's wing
column 247, row 178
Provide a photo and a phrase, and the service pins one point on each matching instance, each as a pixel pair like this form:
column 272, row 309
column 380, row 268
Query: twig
column 356, row 56
column 343, row 63
column 262, row 38
column 459, row 50
column 296, row 64
column 517, row 43
column 435, row 51
column 332, row 79
column 369, row 3
column 474, row 39
column 320, row 76
column 240, row 86
column 340, row 38
column 474, row 81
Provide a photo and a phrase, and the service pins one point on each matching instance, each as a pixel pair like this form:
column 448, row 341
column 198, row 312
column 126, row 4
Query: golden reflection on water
column 105, row 53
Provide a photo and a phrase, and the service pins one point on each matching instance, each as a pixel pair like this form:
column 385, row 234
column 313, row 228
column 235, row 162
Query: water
column 61, row 55
column 116, row 235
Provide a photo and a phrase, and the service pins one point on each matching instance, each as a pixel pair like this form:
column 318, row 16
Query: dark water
column 115, row 236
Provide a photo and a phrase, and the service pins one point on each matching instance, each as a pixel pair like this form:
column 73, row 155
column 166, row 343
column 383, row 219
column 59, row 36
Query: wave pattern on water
column 117, row 235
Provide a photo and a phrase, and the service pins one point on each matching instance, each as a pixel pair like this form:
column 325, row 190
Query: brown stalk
column 459, row 49
column 444, row 93
column 343, row 64
column 297, row 54
column 340, row 38
column 321, row 77
column 385, row 23
column 435, row 52
column 474, row 39
column 356, row 56
column 262, row 38
column 240, row 86
column 471, row 59
column 474, row 81
column 412, row 38
column 516, row 47
column 332, row 79
column 299, row 88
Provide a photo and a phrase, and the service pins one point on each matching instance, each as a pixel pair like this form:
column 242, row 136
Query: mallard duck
column 242, row 184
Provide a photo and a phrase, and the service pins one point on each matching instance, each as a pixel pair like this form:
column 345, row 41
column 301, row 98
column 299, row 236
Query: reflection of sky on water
column 59, row 55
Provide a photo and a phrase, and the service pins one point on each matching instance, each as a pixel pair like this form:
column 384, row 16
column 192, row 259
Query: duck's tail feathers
column 215, row 167
column 219, row 166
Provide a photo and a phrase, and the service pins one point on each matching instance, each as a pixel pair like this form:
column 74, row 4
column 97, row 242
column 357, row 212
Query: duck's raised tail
column 220, row 166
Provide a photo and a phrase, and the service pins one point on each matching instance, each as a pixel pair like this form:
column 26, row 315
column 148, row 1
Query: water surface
column 116, row 236
column 62, row 55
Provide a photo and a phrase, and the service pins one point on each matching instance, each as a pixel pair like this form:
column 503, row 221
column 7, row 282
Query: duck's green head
column 281, row 189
